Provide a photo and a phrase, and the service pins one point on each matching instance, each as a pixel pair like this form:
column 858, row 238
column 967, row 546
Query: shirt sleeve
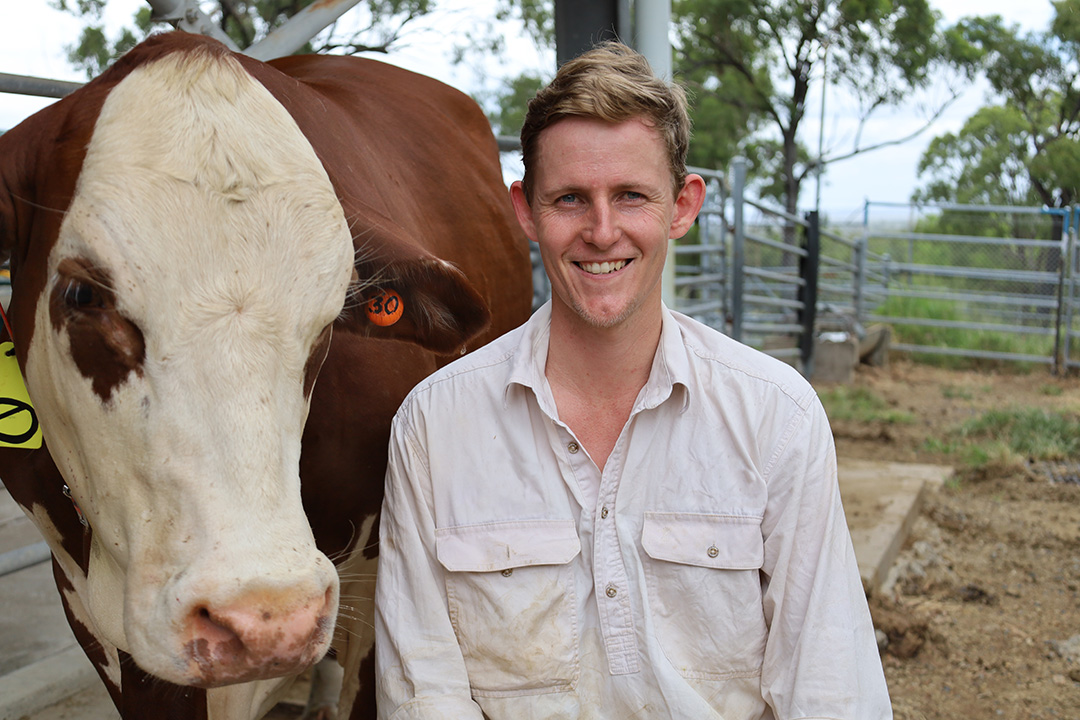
column 821, row 656
column 420, row 672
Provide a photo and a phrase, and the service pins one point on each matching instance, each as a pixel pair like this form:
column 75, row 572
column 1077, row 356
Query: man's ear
column 440, row 310
column 522, row 209
column 687, row 205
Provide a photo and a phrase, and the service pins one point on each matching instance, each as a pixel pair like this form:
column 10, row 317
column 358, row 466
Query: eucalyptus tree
column 372, row 26
column 1023, row 147
column 761, row 57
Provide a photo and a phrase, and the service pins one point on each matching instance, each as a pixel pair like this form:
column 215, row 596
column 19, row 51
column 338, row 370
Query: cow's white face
column 188, row 307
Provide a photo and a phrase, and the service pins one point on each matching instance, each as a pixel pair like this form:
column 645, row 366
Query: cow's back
column 431, row 164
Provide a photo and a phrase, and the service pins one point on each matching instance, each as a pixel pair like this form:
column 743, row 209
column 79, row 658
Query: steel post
column 738, row 190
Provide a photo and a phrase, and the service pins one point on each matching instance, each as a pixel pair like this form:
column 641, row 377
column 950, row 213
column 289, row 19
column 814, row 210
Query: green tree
column 761, row 58
column 373, row 26
column 1024, row 147
column 511, row 101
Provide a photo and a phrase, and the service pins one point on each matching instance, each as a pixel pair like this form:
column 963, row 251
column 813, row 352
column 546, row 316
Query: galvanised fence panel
column 1070, row 294
column 702, row 266
column 970, row 281
column 951, row 280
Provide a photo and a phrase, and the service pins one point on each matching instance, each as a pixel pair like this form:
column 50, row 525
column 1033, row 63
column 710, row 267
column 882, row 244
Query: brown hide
column 416, row 169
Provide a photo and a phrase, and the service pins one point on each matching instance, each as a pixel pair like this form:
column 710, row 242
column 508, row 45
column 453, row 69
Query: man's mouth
column 602, row 268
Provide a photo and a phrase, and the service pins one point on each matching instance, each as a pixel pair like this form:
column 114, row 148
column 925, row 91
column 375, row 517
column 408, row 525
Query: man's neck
column 596, row 374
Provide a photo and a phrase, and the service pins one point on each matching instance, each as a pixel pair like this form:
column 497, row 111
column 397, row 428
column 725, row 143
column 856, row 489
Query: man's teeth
column 603, row 268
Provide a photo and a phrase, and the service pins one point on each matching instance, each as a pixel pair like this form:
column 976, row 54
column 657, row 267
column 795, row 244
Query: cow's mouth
column 602, row 268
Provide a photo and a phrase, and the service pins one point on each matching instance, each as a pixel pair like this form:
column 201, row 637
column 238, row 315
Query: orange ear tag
column 385, row 309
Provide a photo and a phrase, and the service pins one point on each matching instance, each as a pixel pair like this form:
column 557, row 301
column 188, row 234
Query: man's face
column 602, row 211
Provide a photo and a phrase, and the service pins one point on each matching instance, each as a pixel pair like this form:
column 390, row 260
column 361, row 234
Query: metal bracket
column 187, row 16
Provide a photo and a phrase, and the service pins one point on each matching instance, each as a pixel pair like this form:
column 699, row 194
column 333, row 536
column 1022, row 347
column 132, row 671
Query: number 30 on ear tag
column 18, row 421
column 385, row 309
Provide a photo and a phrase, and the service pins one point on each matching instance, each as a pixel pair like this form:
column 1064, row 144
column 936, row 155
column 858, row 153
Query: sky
column 34, row 35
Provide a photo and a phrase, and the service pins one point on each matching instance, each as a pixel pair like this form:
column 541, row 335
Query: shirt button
column 611, row 591
column 573, row 448
column 713, row 552
column 603, row 512
column 508, row 572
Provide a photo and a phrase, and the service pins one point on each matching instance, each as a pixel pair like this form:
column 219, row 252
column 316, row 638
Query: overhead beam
column 300, row 29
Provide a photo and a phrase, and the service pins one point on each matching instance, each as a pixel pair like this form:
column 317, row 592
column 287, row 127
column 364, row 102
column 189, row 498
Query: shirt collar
column 670, row 367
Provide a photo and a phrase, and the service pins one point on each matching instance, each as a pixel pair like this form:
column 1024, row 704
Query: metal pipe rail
column 982, row 354
column 38, row 87
column 972, row 239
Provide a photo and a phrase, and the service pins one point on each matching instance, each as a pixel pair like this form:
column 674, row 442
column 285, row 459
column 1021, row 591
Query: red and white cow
column 193, row 238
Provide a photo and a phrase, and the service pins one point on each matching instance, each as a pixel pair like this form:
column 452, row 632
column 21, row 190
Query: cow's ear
column 403, row 292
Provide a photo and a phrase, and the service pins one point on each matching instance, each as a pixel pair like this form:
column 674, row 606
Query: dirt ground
column 983, row 619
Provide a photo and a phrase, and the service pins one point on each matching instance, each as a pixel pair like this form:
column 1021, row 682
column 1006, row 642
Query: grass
column 1029, row 433
column 954, row 393
column 1051, row 390
column 859, row 404
column 1003, row 437
column 1011, row 437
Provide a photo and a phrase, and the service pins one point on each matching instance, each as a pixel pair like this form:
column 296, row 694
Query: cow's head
column 180, row 260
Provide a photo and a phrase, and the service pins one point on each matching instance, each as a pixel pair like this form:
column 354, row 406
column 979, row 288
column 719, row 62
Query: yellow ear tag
column 18, row 421
column 385, row 309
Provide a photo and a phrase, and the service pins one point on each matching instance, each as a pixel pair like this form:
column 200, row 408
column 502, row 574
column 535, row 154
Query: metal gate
column 971, row 280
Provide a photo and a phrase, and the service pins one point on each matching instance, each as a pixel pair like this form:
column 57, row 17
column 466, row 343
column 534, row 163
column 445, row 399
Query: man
column 614, row 511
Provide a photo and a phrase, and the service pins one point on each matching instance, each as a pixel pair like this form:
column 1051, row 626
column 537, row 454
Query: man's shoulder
column 489, row 364
column 722, row 353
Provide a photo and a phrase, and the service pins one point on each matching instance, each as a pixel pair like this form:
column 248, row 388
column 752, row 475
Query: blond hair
column 614, row 83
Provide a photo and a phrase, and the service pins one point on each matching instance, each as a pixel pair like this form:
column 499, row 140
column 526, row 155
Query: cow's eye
column 79, row 294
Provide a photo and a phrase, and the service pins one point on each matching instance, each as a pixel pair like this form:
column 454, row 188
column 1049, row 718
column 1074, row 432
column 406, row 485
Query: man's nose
column 602, row 229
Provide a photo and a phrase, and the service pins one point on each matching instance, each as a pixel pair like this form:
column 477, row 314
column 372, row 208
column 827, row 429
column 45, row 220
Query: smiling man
column 614, row 511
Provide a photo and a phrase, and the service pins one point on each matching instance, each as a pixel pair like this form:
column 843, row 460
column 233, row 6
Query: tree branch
column 896, row 141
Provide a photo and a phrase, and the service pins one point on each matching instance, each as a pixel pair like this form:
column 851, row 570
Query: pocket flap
column 730, row 542
column 499, row 546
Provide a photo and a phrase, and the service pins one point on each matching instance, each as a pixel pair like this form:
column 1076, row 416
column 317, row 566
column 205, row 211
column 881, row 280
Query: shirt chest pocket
column 511, row 598
column 704, row 588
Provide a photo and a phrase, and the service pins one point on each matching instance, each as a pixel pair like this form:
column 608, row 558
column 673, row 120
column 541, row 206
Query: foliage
column 374, row 26
column 985, row 162
column 537, row 17
column 511, row 102
column 1025, row 147
column 759, row 58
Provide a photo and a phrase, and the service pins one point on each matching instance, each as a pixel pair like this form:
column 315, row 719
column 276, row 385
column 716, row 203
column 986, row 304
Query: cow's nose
column 259, row 635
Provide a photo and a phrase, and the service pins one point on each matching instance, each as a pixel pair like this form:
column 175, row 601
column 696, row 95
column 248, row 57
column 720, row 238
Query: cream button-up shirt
column 706, row 573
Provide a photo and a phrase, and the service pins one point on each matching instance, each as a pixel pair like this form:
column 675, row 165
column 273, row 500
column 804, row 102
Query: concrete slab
column 31, row 688
column 881, row 501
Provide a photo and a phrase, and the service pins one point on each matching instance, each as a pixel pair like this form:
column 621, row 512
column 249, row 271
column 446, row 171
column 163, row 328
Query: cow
column 195, row 238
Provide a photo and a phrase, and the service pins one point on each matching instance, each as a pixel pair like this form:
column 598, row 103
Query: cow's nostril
column 214, row 630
